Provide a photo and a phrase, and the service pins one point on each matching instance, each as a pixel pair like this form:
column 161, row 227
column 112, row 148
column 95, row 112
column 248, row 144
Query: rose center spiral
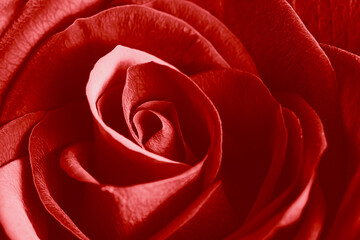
column 156, row 128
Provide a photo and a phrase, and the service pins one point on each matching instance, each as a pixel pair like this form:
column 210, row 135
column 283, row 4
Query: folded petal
column 14, row 136
column 347, row 67
column 13, row 213
column 62, row 196
column 36, row 19
column 67, row 58
column 254, row 136
column 334, row 22
column 139, row 211
column 62, row 165
column 22, row 215
column 210, row 216
column 311, row 221
column 287, row 207
column 225, row 42
column 142, row 84
column 9, row 10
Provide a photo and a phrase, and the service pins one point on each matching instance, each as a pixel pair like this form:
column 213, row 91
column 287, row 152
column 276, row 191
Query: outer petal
column 130, row 212
column 14, row 136
column 68, row 57
column 226, row 43
column 289, row 58
column 37, row 19
column 84, row 206
column 287, row 202
column 9, row 9
column 347, row 67
column 58, row 193
column 210, row 216
column 13, row 216
column 311, row 222
column 254, row 149
column 22, row 216
column 334, row 22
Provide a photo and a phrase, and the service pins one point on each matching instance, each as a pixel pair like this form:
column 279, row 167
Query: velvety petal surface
column 299, row 171
column 131, row 212
column 311, row 222
column 68, row 57
column 284, row 209
column 347, row 67
column 22, row 214
column 200, row 123
column 61, row 168
column 36, row 19
column 14, row 136
column 334, row 22
column 276, row 38
column 61, row 196
column 210, row 216
column 9, row 10
column 254, row 149
column 13, row 216
column 225, row 42
column 141, row 84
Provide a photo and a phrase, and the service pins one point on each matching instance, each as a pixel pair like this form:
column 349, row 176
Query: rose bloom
column 170, row 119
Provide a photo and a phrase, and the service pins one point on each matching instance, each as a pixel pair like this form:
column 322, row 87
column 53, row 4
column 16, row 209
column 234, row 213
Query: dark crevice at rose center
column 156, row 128
column 154, row 125
column 147, row 124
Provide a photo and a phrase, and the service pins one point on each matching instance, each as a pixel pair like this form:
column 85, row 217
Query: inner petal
column 148, row 123
column 118, row 156
column 157, row 134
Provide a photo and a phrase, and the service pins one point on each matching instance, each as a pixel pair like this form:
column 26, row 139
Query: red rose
column 183, row 120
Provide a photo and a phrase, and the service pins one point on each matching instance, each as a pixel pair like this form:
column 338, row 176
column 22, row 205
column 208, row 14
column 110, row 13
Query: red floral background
column 179, row 119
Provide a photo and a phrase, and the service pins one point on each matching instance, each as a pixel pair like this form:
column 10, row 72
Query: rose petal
column 254, row 148
column 139, row 211
column 110, row 110
column 56, row 130
column 313, row 216
column 109, row 210
column 68, row 57
column 311, row 222
column 278, row 213
column 132, row 211
column 284, row 218
column 23, row 214
column 225, row 42
column 294, row 153
column 69, row 162
column 268, row 30
column 9, row 9
column 347, row 67
column 335, row 22
column 282, row 62
column 158, row 129
column 37, row 19
column 13, row 136
column 287, row 207
column 221, row 87
column 109, row 72
column 285, row 66
column 197, row 116
column 148, row 166
column 210, row 216
column 13, row 216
